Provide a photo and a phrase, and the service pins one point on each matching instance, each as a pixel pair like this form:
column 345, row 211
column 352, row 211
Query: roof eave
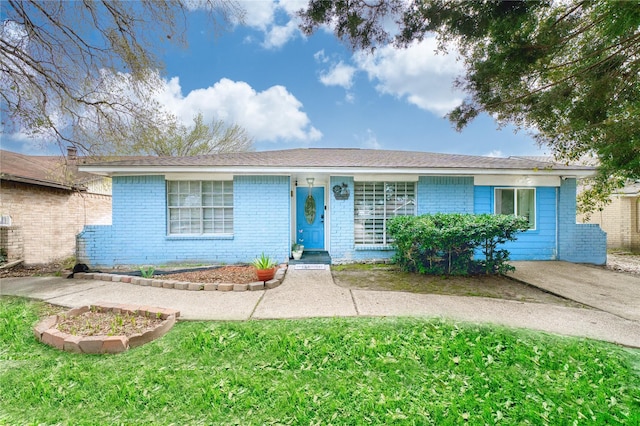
column 248, row 170
column 39, row 182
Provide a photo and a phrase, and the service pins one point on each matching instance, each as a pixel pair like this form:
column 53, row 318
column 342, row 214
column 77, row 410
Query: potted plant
column 296, row 251
column 298, row 248
column 265, row 267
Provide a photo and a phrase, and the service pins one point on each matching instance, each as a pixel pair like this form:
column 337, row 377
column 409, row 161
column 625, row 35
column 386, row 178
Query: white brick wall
column 620, row 220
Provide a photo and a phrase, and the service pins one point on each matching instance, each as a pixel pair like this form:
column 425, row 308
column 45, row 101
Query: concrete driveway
column 614, row 292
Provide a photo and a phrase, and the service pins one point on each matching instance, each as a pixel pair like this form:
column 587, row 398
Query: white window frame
column 209, row 212
column 379, row 213
column 515, row 202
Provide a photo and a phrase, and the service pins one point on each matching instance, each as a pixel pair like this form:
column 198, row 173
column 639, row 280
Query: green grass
column 318, row 371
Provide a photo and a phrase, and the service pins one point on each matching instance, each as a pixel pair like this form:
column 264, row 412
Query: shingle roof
column 339, row 158
column 41, row 170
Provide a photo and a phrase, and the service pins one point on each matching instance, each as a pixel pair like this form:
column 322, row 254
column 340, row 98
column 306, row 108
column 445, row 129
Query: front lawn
column 318, row 371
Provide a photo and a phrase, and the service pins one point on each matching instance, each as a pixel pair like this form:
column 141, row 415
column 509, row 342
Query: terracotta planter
column 265, row 274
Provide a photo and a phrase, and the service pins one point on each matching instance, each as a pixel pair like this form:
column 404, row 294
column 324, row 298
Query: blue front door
column 310, row 217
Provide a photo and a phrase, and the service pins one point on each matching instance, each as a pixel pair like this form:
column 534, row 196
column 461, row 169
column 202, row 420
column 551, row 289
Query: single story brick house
column 229, row 208
column 44, row 203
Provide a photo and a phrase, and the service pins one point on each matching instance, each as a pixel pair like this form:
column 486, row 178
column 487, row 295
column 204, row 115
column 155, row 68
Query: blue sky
column 293, row 91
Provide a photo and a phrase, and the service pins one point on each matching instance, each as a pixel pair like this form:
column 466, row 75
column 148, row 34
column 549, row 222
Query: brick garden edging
column 46, row 331
column 182, row 285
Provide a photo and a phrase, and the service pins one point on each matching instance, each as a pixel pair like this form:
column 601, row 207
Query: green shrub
column 445, row 243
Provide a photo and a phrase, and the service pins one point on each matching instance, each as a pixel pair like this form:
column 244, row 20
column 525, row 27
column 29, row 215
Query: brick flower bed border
column 46, row 332
column 182, row 285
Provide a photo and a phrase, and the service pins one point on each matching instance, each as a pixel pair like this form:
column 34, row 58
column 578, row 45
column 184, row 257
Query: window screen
column 374, row 203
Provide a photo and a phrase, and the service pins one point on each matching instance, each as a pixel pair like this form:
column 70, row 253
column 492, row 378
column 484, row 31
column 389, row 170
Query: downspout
column 557, row 225
column 292, row 218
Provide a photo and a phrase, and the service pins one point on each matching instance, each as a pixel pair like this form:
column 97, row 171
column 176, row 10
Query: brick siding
column 262, row 223
column 534, row 244
column 11, row 242
column 50, row 218
column 138, row 235
column 445, row 194
column 341, row 216
column 621, row 221
column 433, row 194
column 579, row 243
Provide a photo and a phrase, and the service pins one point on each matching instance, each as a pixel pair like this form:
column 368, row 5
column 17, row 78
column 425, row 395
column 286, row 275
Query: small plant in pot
column 296, row 251
column 265, row 267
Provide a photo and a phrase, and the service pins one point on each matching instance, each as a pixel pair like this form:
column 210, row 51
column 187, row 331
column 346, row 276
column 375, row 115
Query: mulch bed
column 224, row 274
column 34, row 271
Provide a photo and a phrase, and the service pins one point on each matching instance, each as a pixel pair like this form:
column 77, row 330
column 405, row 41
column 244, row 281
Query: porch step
column 312, row 258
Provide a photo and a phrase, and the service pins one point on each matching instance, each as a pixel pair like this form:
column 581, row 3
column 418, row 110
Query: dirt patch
column 390, row 278
column 49, row 269
column 94, row 323
column 106, row 323
column 624, row 262
column 224, row 274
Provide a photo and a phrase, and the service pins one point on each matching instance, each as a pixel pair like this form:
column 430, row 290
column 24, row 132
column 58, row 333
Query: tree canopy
column 80, row 71
column 177, row 140
column 568, row 71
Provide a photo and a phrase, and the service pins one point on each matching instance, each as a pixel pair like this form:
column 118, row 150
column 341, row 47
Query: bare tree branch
column 58, row 58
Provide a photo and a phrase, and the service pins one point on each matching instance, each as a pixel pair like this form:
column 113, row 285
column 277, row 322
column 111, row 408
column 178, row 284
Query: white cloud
column 14, row 34
column 293, row 6
column 369, row 140
column 495, row 153
column 320, row 57
column 276, row 20
column 278, row 35
column 339, row 75
column 270, row 115
column 415, row 73
column 258, row 14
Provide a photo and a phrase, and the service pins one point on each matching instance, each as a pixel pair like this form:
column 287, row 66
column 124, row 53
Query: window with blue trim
column 517, row 201
column 200, row 207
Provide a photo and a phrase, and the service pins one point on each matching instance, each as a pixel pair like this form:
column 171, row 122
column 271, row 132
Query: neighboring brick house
column 45, row 202
column 620, row 219
column 229, row 208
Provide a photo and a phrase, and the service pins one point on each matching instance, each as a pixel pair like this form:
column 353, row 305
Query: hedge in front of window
column 445, row 243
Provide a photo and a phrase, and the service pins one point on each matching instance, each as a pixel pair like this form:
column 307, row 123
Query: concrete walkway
column 306, row 294
column 312, row 293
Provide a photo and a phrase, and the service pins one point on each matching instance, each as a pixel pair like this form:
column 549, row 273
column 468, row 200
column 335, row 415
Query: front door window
column 310, row 209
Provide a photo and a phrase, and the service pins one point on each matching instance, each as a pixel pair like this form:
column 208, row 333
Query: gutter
column 334, row 171
column 39, row 182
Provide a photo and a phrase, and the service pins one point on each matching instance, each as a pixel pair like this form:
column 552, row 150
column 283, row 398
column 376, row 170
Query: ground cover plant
column 318, row 371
